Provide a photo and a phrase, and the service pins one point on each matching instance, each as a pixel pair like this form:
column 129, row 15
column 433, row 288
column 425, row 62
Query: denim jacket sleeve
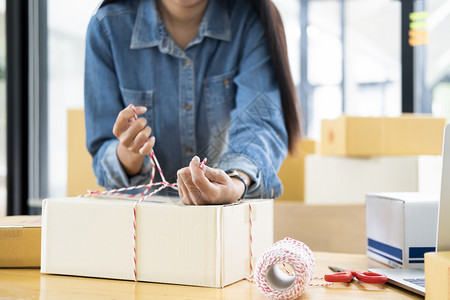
column 257, row 134
column 103, row 102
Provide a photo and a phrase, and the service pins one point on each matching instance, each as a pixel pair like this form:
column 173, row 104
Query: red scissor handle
column 370, row 277
column 344, row 276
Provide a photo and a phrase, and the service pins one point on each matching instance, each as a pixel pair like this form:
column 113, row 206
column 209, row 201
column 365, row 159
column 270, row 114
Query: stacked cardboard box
column 292, row 171
column 20, row 241
column 80, row 175
column 374, row 154
column 376, row 136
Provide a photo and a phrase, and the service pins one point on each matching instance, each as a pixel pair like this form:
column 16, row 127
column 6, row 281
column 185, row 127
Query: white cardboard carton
column 347, row 180
column 193, row 245
column 401, row 227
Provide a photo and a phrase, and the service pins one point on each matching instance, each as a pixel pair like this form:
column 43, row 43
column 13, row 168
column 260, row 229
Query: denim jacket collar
column 149, row 30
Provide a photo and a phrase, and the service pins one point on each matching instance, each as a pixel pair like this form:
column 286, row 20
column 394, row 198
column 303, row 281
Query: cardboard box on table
column 437, row 275
column 401, row 227
column 375, row 136
column 20, row 241
column 193, row 245
column 292, row 171
column 346, row 180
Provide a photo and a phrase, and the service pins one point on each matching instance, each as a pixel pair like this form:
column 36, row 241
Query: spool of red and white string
column 275, row 283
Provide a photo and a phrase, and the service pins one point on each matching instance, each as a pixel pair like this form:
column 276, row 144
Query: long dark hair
column 276, row 43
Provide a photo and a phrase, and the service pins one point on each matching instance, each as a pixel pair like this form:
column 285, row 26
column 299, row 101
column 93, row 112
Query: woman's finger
column 206, row 189
column 180, row 189
column 184, row 195
column 188, row 187
column 139, row 110
column 198, row 177
column 127, row 137
column 140, row 139
column 148, row 146
column 217, row 176
column 125, row 118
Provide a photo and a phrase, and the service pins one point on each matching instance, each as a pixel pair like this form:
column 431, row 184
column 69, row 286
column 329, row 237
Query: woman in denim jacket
column 208, row 78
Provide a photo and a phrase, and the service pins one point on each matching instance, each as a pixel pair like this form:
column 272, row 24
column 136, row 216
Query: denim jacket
column 218, row 98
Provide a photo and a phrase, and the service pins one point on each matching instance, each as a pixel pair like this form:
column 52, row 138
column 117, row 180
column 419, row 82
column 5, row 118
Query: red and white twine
column 147, row 193
column 250, row 212
column 287, row 251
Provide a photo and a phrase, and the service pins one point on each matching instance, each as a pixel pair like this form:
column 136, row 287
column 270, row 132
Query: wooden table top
column 30, row 284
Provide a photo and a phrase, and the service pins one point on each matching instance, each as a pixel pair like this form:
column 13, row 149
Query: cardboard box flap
column 21, row 221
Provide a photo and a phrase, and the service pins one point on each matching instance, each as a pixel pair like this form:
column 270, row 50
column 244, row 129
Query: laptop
column 414, row 279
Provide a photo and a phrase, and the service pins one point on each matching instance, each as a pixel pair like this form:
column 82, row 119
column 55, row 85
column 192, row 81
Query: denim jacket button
column 189, row 149
column 163, row 47
column 187, row 106
column 187, row 63
column 226, row 82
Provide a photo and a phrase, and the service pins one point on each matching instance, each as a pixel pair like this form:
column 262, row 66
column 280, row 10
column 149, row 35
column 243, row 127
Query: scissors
column 347, row 276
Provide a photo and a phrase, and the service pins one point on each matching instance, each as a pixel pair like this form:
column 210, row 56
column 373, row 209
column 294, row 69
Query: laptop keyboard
column 418, row 281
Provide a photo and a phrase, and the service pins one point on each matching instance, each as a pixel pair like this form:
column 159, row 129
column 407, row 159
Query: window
column 2, row 109
column 67, row 25
column 324, row 63
column 290, row 12
column 373, row 58
column 352, row 62
column 437, row 63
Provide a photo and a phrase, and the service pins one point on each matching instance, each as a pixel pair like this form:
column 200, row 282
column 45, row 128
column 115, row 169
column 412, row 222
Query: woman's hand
column 134, row 139
column 210, row 186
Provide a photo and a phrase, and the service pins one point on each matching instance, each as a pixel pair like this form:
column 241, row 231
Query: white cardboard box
column 401, row 227
column 347, row 180
column 193, row 245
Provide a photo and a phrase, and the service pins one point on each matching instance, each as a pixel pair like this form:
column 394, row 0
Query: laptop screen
column 443, row 230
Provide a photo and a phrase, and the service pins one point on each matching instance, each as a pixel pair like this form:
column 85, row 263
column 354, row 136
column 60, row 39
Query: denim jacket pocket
column 140, row 98
column 219, row 93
